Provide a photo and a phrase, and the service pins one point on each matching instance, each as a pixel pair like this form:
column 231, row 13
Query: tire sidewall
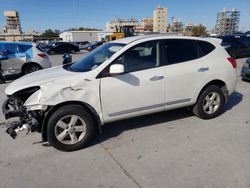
column 208, row 90
column 28, row 68
column 64, row 111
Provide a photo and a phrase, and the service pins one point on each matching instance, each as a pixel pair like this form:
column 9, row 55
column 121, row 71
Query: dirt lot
column 170, row 149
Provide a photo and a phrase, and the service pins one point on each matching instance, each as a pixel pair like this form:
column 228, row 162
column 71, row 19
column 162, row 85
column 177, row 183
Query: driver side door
column 140, row 90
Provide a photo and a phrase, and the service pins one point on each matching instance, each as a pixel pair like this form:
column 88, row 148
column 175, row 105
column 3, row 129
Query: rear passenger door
column 183, row 71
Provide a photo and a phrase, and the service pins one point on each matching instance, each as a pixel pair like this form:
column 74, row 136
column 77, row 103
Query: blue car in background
column 92, row 45
column 237, row 45
column 22, row 58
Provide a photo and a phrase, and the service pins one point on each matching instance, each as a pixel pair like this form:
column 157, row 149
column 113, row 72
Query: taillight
column 42, row 55
column 232, row 61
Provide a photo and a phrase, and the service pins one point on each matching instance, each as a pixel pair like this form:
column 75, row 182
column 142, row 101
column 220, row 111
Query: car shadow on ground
column 233, row 100
column 114, row 129
column 10, row 78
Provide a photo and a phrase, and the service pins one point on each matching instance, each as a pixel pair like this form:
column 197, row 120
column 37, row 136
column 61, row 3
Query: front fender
column 61, row 91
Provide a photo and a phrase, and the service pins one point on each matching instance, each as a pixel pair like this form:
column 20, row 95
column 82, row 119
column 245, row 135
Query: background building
column 189, row 29
column 176, row 26
column 78, row 36
column 13, row 24
column 12, row 31
column 147, row 24
column 160, row 19
column 117, row 23
column 227, row 22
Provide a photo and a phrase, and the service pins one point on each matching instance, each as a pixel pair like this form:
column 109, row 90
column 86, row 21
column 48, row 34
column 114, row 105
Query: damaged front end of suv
column 29, row 120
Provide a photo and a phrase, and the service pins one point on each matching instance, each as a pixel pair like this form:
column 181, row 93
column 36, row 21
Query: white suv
column 122, row 79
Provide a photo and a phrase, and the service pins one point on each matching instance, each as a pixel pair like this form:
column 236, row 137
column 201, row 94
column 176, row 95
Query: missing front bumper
column 13, row 108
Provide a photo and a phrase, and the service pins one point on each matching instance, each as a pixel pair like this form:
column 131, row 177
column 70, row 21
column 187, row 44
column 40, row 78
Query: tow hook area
column 15, row 127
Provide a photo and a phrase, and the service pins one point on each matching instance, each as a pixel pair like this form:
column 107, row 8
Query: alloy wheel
column 70, row 129
column 211, row 103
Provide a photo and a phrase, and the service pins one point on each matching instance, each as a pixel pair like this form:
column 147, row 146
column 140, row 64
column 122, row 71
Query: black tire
column 202, row 102
column 32, row 68
column 70, row 110
column 72, row 51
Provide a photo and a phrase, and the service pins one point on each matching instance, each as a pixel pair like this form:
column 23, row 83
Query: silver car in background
column 22, row 58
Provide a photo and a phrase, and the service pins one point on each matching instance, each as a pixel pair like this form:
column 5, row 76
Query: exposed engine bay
column 24, row 120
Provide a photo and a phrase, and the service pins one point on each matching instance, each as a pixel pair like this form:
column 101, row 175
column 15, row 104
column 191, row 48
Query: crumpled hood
column 38, row 78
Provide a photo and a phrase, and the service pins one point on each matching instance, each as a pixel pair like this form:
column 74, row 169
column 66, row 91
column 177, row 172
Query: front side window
column 95, row 58
column 140, row 57
column 180, row 50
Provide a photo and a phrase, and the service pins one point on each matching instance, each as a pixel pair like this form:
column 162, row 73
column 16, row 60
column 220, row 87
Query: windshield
column 95, row 58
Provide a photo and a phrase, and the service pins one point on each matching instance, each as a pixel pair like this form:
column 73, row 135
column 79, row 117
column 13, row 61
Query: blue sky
column 61, row 14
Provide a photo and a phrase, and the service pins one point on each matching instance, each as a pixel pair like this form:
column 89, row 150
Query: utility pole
column 74, row 13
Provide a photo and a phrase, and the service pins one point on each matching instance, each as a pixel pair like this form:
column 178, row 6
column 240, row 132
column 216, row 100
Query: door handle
column 203, row 69
column 155, row 78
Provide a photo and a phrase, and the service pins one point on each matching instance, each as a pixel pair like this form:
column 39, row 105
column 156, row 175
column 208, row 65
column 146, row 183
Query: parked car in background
column 237, row 45
column 22, row 58
column 61, row 48
column 92, row 45
column 122, row 79
column 245, row 71
column 81, row 45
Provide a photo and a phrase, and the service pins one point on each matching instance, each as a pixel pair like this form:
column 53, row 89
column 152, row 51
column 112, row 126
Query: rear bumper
column 231, row 84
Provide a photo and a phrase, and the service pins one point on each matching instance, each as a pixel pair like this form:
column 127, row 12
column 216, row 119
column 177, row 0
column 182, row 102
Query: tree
column 49, row 33
column 199, row 30
column 83, row 29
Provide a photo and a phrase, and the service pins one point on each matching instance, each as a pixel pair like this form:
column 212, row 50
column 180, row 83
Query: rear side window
column 205, row 47
column 180, row 50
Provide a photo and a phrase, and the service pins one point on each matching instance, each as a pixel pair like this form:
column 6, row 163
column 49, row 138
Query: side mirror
column 116, row 69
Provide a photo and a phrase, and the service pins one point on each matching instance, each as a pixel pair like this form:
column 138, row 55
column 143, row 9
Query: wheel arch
column 25, row 65
column 52, row 109
column 221, row 84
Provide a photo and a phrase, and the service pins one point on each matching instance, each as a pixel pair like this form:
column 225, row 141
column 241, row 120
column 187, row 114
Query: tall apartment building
column 13, row 24
column 227, row 22
column 160, row 19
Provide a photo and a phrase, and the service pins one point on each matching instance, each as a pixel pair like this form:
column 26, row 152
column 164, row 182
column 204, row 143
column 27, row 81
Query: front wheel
column 70, row 128
column 209, row 103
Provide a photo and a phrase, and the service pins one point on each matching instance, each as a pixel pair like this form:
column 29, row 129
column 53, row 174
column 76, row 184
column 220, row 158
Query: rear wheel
column 32, row 68
column 70, row 128
column 209, row 103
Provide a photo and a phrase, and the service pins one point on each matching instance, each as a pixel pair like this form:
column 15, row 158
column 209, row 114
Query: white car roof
column 128, row 40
